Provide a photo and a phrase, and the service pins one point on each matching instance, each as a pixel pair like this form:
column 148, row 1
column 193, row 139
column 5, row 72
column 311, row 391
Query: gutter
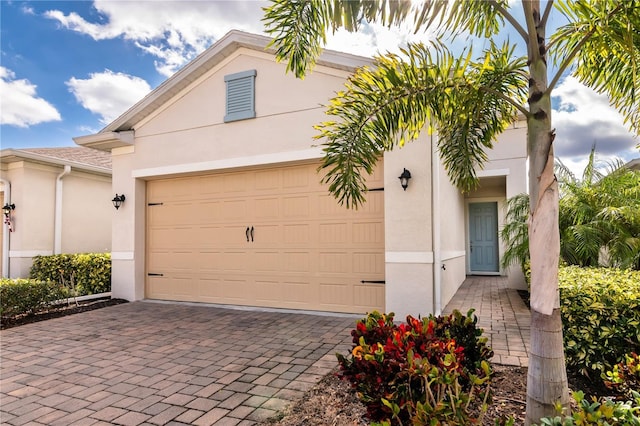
column 5, row 235
column 435, row 234
column 57, row 226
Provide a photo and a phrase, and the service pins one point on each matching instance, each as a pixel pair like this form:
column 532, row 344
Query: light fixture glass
column 6, row 209
column 404, row 178
column 118, row 200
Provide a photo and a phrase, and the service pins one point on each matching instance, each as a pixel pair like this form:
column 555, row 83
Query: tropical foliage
column 470, row 98
column 424, row 371
column 599, row 218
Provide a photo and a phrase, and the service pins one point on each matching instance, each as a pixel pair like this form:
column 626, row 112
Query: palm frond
column 604, row 37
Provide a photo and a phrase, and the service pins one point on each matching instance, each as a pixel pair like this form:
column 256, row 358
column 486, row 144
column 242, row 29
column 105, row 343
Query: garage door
column 268, row 237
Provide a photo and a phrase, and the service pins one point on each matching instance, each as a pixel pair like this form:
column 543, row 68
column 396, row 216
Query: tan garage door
column 264, row 237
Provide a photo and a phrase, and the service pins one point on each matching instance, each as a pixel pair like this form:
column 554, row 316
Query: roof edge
column 106, row 141
column 17, row 155
column 208, row 59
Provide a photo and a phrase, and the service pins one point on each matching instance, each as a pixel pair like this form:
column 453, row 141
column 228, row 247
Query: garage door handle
column 252, row 234
column 247, row 233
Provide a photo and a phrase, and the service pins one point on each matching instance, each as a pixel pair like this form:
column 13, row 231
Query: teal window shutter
column 240, row 96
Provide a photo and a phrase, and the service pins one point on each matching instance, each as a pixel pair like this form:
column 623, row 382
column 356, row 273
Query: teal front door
column 483, row 237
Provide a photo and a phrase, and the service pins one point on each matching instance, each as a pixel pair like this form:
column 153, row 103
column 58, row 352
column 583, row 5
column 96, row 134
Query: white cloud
column 108, row 94
column 20, row 106
column 173, row 31
column 583, row 118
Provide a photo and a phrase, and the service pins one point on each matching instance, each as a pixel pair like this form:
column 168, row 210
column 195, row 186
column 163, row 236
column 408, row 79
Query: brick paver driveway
column 157, row 363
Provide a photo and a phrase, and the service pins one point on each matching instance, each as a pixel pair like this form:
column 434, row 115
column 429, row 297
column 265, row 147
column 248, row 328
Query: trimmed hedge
column 600, row 316
column 27, row 296
column 91, row 272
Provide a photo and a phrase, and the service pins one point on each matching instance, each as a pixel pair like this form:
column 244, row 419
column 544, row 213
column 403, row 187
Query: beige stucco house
column 61, row 199
column 224, row 205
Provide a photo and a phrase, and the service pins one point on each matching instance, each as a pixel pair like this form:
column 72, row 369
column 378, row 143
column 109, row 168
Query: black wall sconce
column 118, row 200
column 404, row 178
column 6, row 209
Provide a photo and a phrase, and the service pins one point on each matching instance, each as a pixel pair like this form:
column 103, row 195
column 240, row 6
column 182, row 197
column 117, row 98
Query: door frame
column 500, row 202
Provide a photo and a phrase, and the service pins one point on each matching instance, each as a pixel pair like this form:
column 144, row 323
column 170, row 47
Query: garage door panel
column 367, row 296
column 210, row 262
column 231, row 235
column 336, row 262
column 298, row 233
column 334, row 233
column 368, row 264
column 268, row 180
column 234, row 290
column 166, row 214
column 296, row 207
column 268, row 291
column 266, row 261
column 234, row 261
column 307, row 251
column 297, row 177
column 368, row 232
column 164, row 238
column 297, row 293
column 335, row 295
column 267, row 208
column 209, row 290
column 208, row 212
column 234, row 210
column 296, row 261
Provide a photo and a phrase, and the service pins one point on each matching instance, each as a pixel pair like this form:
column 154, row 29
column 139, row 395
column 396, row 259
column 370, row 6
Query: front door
column 483, row 237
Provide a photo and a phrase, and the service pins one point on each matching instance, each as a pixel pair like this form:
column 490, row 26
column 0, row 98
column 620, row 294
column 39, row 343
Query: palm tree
column 600, row 215
column 469, row 101
column 599, row 218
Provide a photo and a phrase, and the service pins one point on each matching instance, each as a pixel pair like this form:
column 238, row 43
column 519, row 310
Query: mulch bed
column 58, row 311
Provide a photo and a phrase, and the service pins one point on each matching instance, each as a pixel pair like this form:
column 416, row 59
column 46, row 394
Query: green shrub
column 27, row 296
column 91, row 272
column 417, row 372
column 599, row 412
column 600, row 316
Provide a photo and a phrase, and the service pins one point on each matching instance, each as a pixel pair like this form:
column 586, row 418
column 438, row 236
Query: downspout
column 5, row 235
column 435, row 234
column 57, row 226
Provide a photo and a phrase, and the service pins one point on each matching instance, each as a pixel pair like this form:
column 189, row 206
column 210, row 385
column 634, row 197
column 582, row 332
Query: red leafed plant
column 417, row 371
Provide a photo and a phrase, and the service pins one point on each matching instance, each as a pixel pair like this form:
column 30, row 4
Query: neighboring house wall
column 86, row 210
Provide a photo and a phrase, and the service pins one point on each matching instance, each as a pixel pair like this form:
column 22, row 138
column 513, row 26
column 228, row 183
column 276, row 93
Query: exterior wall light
column 118, row 200
column 6, row 209
column 404, row 179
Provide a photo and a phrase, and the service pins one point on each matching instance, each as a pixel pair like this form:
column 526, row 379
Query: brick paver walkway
column 149, row 363
column 501, row 312
column 153, row 363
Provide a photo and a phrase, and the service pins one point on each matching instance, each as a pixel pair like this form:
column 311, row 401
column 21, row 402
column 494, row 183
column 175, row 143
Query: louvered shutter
column 240, row 96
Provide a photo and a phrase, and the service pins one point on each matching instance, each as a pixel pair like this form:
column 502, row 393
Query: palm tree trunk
column 547, row 378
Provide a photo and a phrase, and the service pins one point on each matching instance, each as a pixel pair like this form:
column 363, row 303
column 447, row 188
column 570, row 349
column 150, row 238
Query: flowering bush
column 416, row 371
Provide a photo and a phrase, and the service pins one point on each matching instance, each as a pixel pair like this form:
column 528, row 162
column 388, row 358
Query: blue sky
column 67, row 68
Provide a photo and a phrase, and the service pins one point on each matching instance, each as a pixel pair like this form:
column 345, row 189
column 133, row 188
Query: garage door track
column 160, row 363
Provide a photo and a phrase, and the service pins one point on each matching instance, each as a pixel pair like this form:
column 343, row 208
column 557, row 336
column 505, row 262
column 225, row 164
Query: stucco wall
column 86, row 213
column 188, row 135
column 408, row 230
column 507, row 162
